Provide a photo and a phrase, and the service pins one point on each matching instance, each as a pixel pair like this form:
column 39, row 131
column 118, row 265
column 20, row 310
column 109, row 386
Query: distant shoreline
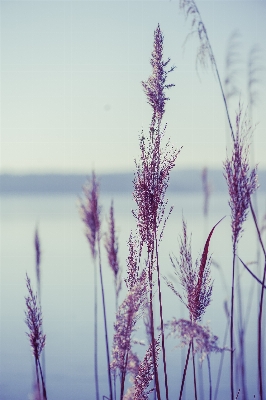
column 182, row 181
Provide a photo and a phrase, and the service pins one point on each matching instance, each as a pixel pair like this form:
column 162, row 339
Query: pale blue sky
column 71, row 72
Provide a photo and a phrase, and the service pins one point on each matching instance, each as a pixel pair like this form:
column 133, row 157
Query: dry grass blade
column 204, row 259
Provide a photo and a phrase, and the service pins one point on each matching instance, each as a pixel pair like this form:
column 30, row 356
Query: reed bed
column 139, row 369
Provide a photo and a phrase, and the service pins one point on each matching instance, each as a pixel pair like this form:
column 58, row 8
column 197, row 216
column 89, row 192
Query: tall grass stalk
column 197, row 287
column 241, row 184
column 150, row 184
column 90, row 213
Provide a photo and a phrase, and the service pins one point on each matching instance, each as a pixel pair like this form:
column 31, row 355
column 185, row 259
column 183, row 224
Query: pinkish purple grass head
column 34, row 321
column 241, row 181
column 156, row 162
column 90, row 211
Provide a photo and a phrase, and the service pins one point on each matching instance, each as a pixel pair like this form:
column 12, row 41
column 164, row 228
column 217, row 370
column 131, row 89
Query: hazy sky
column 71, row 72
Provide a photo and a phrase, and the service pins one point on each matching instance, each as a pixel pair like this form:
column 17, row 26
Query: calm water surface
column 67, row 291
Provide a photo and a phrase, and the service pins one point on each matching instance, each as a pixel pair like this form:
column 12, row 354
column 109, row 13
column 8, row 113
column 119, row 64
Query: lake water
column 67, row 291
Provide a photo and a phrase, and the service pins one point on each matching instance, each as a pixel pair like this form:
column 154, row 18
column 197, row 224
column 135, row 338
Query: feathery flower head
column 132, row 262
column 90, row 211
column 155, row 86
column 152, row 171
column 197, row 27
column 204, row 341
column 146, row 372
column 241, row 181
column 126, row 318
column 196, row 280
column 232, row 66
column 34, row 322
column 111, row 245
column 150, row 184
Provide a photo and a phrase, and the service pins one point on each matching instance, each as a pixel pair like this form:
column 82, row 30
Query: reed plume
column 36, row 337
column 205, row 52
column 241, row 184
column 146, row 372
column 186, row 331
column 90, row 215
column 152, row 177
column 111, row 246
column 232, row 64
column 197, row 290
column 195, row 280
column 127, row 315
column 90, row 211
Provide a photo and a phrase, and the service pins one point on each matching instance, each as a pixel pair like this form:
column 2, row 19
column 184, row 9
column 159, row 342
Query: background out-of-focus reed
column 134, row 373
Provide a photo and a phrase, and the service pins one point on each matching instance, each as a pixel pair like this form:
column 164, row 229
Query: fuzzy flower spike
column 90, row 211
column 111, row 246
column 155, row 86
column 195, row 280
column 241, row 182
column 37, row 338
column 156, row 162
